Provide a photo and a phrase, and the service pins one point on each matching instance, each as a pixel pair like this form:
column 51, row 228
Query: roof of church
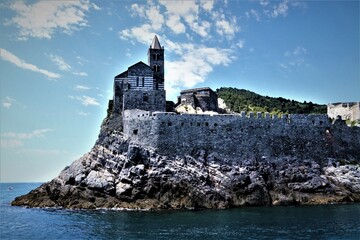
column 155, row 43
column 125, row 74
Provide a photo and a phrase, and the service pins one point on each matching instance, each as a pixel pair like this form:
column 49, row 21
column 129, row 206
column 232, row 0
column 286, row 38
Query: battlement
column 231, row 136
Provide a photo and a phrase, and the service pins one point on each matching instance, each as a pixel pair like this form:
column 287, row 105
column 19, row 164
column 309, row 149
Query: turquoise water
column 299, row 222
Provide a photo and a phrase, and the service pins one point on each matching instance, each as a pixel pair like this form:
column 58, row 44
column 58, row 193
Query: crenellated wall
column 237, row 137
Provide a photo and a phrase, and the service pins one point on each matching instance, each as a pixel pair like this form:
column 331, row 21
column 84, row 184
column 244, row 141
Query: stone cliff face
column 119, row 174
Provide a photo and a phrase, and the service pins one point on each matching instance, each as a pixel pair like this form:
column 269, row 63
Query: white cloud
column 81, row 87
column 43, row 152
column 34, row 134
column 59, row 61
column 294, row 58
column 10, row 143
column 298, row 51
column 194, row 65
column 240, row 43
column 7, row 102
column 81, row 74
column 207, row 5
column 226, row 27
column 8, row 56
column 86, row 100
column 63, row 66
column 81, row 113
column 174, row 23
column 253, row 13
column 143, row 34
column 280, row 9
column 42, row 19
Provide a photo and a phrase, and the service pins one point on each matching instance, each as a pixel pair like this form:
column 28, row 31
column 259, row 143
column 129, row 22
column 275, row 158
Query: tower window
column 156, row 68
column 156, row 56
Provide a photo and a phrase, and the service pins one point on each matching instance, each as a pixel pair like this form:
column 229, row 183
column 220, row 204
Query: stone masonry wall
column 349, row 111
column 237, row 137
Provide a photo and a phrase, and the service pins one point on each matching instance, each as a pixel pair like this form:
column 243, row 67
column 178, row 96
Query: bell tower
column 156, row 62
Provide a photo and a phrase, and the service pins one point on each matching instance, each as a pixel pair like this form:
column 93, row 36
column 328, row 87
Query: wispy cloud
column 194, row 65
column 190, row 63
column 33, row 134
column 294, row 58
column 81, row 113
column 8, row 102
column 81, row 87
column 63, row 66
column 59, row 61
column 86, row 100
column 14, row 140
column 42, row 19
column 10, row 57
column 10, row 143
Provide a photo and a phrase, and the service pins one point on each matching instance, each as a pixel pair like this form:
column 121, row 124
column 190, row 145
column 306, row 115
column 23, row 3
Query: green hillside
column 243, row 100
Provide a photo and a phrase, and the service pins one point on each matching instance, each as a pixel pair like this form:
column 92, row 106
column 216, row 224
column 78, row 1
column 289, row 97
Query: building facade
column 141, row 86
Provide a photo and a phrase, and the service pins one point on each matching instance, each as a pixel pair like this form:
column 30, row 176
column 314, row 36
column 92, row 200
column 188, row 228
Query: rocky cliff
column 119, row 174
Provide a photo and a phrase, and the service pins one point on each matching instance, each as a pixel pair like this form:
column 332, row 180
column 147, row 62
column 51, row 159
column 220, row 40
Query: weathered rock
column 116, row 174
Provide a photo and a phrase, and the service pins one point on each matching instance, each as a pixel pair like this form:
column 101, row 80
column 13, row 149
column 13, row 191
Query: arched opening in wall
column 145, row 97
column 137, row 81
column 215, row 124
column 135, row 131
column 313, row 122
column 321, row 123
column 207, row 124
column 156, row 56
column 169, row 124
column 156, row 86
column 143, row 81
column 182, row 124
column 156, row 68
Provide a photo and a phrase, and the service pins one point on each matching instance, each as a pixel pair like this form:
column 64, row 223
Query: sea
column 289, row 222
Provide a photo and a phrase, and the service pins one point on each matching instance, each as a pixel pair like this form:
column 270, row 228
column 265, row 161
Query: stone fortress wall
column 347, row 111
column 237, row 137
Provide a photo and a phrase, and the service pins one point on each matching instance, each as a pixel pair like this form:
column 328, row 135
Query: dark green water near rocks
column 291, row 222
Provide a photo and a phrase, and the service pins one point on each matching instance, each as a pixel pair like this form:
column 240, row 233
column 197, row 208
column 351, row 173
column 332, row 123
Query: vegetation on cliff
column 238, row 100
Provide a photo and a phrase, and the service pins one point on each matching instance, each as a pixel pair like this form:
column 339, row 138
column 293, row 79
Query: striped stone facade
column 141, row 86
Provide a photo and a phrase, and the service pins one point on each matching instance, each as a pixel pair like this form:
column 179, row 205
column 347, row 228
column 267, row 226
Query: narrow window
column 154, row 56
column 137, row 81
column 143, row 81
column 157, row 86
column 135, row 131
column 145, row 97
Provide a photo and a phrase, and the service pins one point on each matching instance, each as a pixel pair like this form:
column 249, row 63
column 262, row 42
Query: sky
column 58, row 60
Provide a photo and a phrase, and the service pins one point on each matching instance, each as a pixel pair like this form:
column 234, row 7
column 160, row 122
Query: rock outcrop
column 119, row 174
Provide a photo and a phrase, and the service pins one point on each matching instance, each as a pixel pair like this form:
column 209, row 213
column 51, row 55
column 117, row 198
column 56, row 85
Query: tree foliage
column 243, row 100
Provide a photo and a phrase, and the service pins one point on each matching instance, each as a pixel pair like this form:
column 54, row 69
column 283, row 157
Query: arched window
column 143, row 81
column 156, row 68
column 137, row 81
column 156, row 56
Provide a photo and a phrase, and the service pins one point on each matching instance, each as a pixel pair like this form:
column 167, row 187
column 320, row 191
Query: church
column 141, row 86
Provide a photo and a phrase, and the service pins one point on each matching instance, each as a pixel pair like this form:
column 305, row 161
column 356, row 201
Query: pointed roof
column 155, row 43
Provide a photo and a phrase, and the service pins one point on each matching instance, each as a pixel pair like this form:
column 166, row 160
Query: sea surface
column 291, row 222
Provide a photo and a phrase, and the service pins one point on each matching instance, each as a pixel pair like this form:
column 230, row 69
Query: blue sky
column 58, row 60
